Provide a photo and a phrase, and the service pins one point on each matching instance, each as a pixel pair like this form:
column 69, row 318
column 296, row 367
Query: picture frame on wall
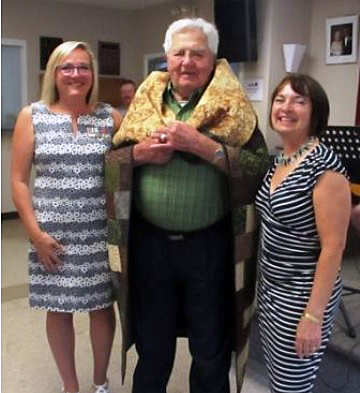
column 154, row 62
column 109, row 58
column 47, row 45
column 342, row 39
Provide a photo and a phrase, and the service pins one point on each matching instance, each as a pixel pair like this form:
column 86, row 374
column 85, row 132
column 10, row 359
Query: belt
column 178, row 235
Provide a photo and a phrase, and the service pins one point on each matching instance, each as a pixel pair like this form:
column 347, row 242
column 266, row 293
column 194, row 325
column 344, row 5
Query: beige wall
column 293, row 21
column 141, row 32
column 154, row 21
column 340, row 80
column 6, row 202
column 279, row 30
column 30, row 19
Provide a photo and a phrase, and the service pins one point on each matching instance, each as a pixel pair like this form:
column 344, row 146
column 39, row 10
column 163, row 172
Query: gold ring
column 163, row 138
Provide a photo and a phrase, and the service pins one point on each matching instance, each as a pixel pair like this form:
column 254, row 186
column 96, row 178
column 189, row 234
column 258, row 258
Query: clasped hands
column 160, row 145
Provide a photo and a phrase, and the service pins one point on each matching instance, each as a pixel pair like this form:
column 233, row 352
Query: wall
column 279, row 21
column 341, row 81
column 273, row 29
column 293, row 21
column 139, row 33
column 30, row 19
column 6, row 202
column 289, row 23
column 155, row 20
column 261, row 68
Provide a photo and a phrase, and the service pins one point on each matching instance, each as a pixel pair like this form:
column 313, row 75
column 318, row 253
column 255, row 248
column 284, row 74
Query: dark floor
column 338, row 374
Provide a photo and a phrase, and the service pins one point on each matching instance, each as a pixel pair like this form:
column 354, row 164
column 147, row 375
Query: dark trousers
column 189, row 278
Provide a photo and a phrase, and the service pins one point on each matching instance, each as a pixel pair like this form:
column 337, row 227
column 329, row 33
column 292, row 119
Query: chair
column 345, row 141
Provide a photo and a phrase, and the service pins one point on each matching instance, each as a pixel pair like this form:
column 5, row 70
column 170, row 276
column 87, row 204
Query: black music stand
column 345, row 141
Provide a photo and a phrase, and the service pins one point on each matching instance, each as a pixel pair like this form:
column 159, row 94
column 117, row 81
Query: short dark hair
column 127, row 82
column 305, row 85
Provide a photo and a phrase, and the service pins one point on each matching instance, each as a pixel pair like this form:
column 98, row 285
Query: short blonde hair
column 49, row 92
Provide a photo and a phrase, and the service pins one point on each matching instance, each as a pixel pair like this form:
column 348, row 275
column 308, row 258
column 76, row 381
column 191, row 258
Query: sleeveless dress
column 69, row 204
column 289, row 251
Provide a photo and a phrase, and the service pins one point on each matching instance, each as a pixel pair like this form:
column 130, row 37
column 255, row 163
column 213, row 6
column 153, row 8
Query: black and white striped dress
column 69, row 204
column 289, row 250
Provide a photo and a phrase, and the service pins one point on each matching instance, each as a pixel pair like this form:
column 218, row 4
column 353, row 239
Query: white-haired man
column 181, row 179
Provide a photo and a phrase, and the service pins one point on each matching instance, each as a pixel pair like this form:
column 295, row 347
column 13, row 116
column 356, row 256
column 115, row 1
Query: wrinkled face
column 127, row 92
column 74, row 76
column 190, row 61
column 291, row 112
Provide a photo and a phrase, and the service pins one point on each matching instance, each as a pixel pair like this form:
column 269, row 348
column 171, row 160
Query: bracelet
column 218, row 155
column 311, row 318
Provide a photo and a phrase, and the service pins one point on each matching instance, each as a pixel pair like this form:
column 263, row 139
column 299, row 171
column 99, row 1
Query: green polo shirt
column 184, row 194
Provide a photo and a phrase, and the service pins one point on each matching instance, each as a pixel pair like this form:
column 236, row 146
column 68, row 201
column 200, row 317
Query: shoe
column 104, row 388
column 64, row 391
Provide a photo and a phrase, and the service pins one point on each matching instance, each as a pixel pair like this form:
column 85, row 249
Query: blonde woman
column 64, row 136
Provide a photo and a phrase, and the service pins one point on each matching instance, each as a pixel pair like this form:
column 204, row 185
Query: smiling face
column 291, row 113
column 190, row 61
column 74, row 76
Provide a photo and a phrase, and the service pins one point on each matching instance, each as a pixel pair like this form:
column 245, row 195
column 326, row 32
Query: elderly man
column 181, row 180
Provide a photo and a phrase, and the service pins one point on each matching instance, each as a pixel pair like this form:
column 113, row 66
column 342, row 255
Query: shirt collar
column 193, row 99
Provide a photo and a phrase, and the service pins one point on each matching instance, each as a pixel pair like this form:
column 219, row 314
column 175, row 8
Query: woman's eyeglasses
column 69, row 69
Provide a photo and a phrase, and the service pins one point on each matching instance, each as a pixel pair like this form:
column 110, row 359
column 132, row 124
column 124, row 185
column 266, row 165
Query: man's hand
column 152, row 151
column 179, row 135
column 183, row 137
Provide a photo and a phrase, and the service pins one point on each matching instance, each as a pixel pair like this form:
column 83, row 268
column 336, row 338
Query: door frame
column 23, row 66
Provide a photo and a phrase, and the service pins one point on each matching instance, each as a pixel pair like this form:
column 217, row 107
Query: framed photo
column 47, row 45
column 154, row 62
column 109, row 58
column 342, row 39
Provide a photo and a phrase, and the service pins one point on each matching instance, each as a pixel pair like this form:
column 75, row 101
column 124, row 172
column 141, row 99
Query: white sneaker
column 104, row 388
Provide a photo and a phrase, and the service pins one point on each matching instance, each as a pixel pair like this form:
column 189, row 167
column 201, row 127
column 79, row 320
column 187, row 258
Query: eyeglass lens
column 68, row 69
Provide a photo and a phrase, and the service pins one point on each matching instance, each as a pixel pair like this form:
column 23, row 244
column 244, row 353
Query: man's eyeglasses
column 69, row 69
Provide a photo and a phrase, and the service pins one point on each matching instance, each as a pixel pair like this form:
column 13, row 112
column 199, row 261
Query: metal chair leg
column 350, row 329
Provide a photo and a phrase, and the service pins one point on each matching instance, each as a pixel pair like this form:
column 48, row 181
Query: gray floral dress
column 69, row 203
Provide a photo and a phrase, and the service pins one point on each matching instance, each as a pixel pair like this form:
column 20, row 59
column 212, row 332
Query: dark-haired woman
column 304, row 205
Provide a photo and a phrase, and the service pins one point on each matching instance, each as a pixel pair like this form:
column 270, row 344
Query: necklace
column 282, row 159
